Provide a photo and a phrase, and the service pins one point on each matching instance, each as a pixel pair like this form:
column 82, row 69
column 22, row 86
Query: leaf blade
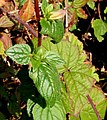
column 20, row 53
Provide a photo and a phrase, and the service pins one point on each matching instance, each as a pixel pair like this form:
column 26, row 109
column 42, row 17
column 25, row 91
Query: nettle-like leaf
column 100, row 28
column 54, row 29
column 57, row 112
column 45, row 74
column 46, row 79
column 78, row 77
column 100, row 103
column 79, row 3
column 5, row 22
column 20, row 53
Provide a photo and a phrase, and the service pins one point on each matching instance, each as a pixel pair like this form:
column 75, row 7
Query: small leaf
column 81, row 13
column 54, row 29
column 5, row 22
column 6, row 40
column 46, row 79
column 44, row 5
column 20, row 53
column 105, row 11
column 57, row 14
column 79, row 3
column 100, row 28
column 91, row 4
column 99, row 101
column 57, row 112
column 48, row 9
column 1, row 48
column 21, row 2
column 27, row 11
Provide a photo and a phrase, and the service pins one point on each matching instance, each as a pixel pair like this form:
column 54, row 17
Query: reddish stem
column 94, row 107
column 36, row 3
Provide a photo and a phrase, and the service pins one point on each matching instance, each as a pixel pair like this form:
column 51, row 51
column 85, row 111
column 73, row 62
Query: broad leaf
column 100, row 103
column 27, row 11
column 57, row 112
column 100, row 28
column 78, row 77
column 46, row 79
column 5, row 22
column 79, row 3
column 20, row 53
column 54, row 29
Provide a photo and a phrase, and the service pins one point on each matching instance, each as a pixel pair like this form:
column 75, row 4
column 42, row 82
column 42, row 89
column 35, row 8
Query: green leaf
column 91, row 4
column 81, row 13
column 20, row 53
column 105, row 11
column 79, row 3
column 48, row 9
column 53, row 29
column 46, row 79
column 21, row 2
column 100, row 103
column 2, row 117
column 100, row 28
column 78, row 77
column 44, row 5
column 5, row 22
column 57, row 112
column 53, row 58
